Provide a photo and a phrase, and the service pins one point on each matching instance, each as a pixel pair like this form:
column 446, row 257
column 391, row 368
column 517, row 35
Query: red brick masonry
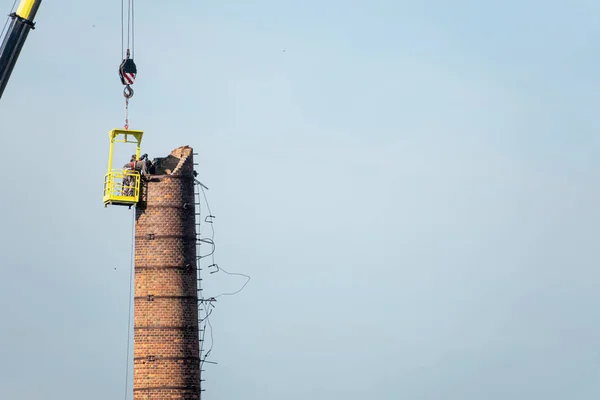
column 166, row 347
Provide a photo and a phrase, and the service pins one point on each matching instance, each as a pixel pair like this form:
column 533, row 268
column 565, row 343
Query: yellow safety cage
column 122, row 186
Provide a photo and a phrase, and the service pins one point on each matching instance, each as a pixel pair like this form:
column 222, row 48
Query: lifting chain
column 126, row 113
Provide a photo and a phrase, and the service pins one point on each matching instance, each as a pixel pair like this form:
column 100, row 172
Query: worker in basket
column 142, row 166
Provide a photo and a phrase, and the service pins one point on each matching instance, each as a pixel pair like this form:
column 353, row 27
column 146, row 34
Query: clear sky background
column 413, row 187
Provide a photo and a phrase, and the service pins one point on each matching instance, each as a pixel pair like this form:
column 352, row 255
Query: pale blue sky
column 411, row 185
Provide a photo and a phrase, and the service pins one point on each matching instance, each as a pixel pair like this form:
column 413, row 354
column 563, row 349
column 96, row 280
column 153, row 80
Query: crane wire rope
column 129, row 321
column 130, row 28
column 12, row 9
column 127, row 69
column 122, row 33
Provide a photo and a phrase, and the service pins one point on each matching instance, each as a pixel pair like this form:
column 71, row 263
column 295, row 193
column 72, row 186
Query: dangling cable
column 207, row 303
column 129, row 321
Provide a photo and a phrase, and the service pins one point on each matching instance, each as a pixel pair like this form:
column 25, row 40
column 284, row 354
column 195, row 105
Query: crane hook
column 128, row 92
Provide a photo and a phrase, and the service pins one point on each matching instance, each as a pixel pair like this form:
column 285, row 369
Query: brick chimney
column 166, row 340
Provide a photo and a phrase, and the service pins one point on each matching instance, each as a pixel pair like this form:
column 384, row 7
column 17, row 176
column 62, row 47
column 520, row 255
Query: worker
column 141, row 165
column 128, row 180
column 150, row 165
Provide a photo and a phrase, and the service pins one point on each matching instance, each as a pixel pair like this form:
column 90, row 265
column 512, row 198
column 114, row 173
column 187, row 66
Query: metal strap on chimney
column 152, row 358
column 152, row 297
column 167, row 328
column 155, row 388
column 159, row 267
column 153, row 236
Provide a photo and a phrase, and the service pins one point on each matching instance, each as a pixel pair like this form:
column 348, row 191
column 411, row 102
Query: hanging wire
column 129, row 322
column 212, row 339
column 209, row 219
column 203, row 321
column 12, row 9
column 201, row 350
column 206, row 303
column 237, row 291
column 212, row 241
